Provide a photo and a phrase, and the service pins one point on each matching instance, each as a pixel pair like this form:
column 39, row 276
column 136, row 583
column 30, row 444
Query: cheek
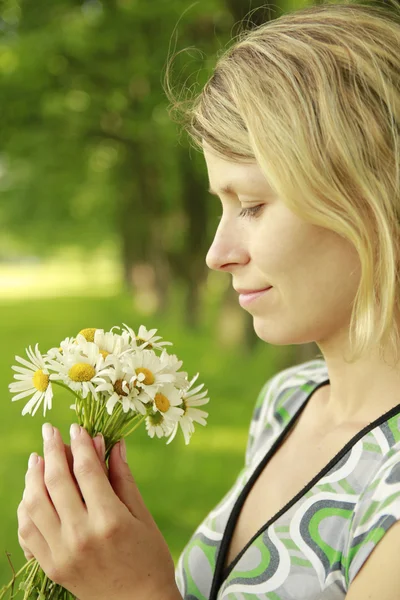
column 281, row 254
column 315, row 277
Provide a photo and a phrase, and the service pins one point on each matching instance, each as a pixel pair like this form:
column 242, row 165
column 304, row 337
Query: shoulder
column 296, row 377
column 372, row 562
column 281, row 396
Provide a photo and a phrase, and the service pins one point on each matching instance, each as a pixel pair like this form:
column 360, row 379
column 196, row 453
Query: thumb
column 124, row 484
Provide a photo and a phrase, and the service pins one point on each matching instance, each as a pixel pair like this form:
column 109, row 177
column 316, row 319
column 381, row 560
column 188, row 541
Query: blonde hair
column 314, row 97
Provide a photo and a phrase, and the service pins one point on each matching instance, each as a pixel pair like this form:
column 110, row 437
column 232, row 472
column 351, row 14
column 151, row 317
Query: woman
column 299, row 126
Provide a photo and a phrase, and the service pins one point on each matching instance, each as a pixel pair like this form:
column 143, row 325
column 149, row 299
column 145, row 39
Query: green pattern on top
column 316, row 547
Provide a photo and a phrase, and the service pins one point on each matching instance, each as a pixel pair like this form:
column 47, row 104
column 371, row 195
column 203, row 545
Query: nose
column 227, row 250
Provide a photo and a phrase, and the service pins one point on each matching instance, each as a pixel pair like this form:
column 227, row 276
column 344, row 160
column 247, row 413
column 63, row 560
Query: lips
column 244, row 291
column 245, row 299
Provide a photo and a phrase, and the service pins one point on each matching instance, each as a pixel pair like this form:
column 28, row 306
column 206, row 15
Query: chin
column 268, row 331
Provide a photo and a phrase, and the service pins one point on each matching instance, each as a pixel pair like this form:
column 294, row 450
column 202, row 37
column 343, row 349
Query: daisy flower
column 65, row 345
column 157, row 425
column 146, row 339
column 121, row 388
column 167, row 401
column 172, row 365
column 190, row 400
column 149, row 370
column 33, row 380
column 80, row 367
column 111, row 343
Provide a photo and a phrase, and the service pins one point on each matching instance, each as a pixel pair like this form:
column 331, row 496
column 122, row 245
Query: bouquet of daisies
column 119, row 380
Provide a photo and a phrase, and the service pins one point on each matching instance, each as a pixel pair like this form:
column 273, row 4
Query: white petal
column 28, row 407
column 175, row 429
column 194, row 391
column 20, row 386
column 139, row 406
column 197, row 401
column 48, row 399
column 174, row 413
column 26, row 363
column 39, row 401
column 23, row 370
column 187, row 431
column 57, row 377
column 111, row 403
column 126, row 405
column 23, row 395
column 104, row 387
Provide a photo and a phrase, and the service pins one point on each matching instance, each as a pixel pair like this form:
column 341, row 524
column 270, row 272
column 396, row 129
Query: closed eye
column 251, row 212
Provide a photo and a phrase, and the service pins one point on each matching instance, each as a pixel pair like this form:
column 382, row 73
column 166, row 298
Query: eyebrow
column 227, row 189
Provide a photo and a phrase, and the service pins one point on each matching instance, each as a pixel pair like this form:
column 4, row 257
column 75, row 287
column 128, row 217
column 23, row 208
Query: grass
column 180, row 484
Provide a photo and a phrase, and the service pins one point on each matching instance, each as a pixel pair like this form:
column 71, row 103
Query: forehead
column 226, row 176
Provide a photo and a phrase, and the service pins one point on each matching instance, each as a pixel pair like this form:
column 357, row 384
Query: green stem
column 16, row 575
column 29, row 580
column 93, row 406
column 125, row 434
column 77, row 396
column 44, row 584
column 86, row 417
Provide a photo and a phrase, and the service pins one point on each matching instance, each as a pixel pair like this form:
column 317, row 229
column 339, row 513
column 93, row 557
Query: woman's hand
column 92, row 533
column 99, row 447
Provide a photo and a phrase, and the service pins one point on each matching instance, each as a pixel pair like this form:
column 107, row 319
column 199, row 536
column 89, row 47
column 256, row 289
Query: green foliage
column 84, row 115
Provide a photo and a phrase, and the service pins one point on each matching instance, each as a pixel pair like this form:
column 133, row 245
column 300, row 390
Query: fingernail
column 122, row 449
column 47, row 431
column 74, row 431
column 33, row 460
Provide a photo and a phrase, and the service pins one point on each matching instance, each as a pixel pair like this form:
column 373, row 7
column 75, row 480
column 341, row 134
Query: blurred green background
column 105, row 219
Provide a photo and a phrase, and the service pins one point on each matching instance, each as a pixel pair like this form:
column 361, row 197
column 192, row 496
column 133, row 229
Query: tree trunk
column 193, row 266
column 145, row 266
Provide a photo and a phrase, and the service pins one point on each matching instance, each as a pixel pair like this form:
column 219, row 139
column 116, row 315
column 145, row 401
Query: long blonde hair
column 314, row 97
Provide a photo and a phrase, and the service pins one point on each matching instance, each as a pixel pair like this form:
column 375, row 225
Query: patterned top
column 315, row 545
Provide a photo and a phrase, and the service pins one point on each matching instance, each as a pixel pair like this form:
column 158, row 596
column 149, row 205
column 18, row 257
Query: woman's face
column 314, row 272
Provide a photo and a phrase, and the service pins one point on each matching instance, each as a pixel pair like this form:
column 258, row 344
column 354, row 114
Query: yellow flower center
column 149, row 378
column 81, row 372
column 88, row 334
column 104, row 353
column 162, row 402
column 118, row 387
column 40, row 380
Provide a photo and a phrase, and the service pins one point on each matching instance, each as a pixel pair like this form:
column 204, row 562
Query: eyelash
column 251, row 212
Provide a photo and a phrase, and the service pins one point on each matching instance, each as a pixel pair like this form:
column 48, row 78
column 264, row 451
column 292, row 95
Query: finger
column 60, row 484
column 99, row 445
column 124, row 485
column 30, row 538
column 93, row 483
column 37, row 502
column 70, row 459
column 27, row 553
column 100, row 453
